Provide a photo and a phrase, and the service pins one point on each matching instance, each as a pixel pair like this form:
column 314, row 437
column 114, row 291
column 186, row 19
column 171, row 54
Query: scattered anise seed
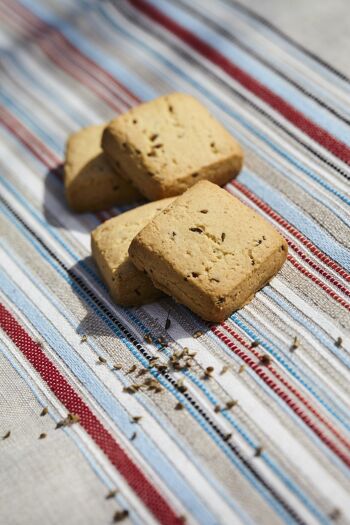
column 335, row 514
column 83, row 339
column 68, row 421
column 44, row 411
column 120, row 515
column 223, row 235
column 102, row 359
column 42, row 435
column 241, row 369
column 179, row 406
column 117, row 366
column 230, row 403
column 7, row 435
column 133, row 436
column 258, row 452
column 228, row 436
column 208, row 371
column 265, row 359
column 129, row 389
column 295, row 343
column 167, row 323
column 161, row 368
column 112, row 494
column 182, row 518
column 197, row 334
column 142, row 372
column 131, row 369
column 158, row 389
column 217, row 408
column 161, row 341
column 339, row 342
column 148, row 339
column 136, row 419
column 254, row 343
column 224, row 370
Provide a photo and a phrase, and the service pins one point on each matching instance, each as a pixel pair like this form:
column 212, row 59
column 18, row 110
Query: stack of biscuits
column 194, row 241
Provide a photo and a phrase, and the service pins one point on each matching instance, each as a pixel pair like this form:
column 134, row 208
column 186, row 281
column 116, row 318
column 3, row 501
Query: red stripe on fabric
column 315, row 132
column 44, row 29
column 290, row 387
column 317, row 281
column 38, row 148
column 298, row 235
column 258, row 369
column 73, row 403
column 65, row 58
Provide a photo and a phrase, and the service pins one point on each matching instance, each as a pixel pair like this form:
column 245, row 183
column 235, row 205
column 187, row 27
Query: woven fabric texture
column 260, row 441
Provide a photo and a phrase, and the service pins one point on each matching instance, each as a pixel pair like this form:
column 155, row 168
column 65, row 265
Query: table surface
column 276, row 74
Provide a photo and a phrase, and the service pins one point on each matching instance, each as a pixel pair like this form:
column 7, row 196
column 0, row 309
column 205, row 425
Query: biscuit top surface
column 82, row 147
column 114, row 236
column 210, row 238
column 173, row 135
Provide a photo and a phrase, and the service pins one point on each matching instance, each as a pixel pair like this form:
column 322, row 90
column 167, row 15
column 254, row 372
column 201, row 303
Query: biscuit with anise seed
column 209, row 251
column 110, row 242
column 167, row 145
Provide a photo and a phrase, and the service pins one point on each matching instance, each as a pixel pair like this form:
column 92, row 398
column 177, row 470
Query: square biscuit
column 110, row 243
column 167, row 145
column 209, row 251
column 91, row 183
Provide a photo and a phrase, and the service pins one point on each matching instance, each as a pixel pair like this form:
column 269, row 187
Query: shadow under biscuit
column 87, row 286
column 54, row 203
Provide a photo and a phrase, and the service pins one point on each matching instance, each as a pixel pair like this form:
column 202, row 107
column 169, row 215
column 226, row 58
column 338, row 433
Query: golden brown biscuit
column 167, row 145
column 209, row 251
column 91, row 183
column 110, row 242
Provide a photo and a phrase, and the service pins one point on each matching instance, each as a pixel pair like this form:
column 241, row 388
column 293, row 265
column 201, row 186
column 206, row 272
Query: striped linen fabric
column 262, row 441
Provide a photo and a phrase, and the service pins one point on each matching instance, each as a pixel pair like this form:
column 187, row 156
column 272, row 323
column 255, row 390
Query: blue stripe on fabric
column 245, row 62
column 296, row 490
column 109, row 403
column 84, row 45
column 236, row 318
column 21, row 69
column 296, row 217
column 125, row 75
column 123, row 502
column 312, row 387
column 72, row 321
column 299, row 317
column 17, row 109
column 289, row 412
